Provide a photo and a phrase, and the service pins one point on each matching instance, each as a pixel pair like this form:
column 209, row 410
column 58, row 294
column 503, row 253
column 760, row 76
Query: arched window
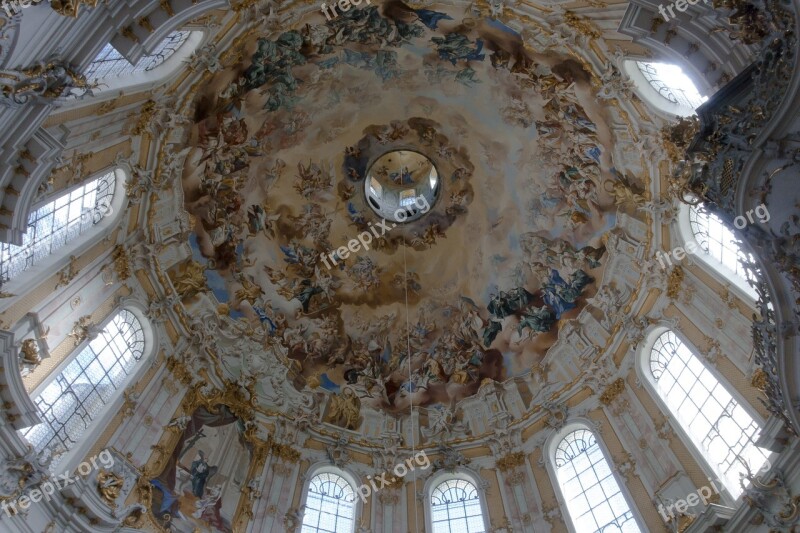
column 717, row 424
column 57, row 223
column 111, row 64
column 593, row 497
column 671, row 83
column 330, row 505
column 720, row 246
column 85, row 386
column 665, row 87
column 456, row 507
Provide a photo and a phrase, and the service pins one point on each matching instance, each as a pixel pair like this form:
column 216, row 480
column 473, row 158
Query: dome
column 380, row 266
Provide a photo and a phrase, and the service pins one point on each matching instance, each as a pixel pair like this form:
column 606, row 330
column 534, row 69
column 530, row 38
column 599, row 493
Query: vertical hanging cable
column 410, row 397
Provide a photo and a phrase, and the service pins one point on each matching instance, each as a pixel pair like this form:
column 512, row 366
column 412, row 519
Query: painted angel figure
column 207, row 503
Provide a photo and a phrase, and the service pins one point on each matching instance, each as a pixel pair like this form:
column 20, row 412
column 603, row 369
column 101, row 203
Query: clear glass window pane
column 110, row 64
column 408, row 197
column 80, row 392
column 719, row 242
column 719, row 427
column 47, row 224
column 672, row 84
column 330, row 505
column 456, row 508
column 591, row 492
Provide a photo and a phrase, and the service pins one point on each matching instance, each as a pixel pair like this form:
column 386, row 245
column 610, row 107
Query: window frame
column 33, row 276
column 129, row 69
column 645, row 376
column 721, row 273
column 327, row 468
column 550, row 448
column 72, row 457
column 113, row 87
column 656, row 100
column 75, row 223
column 459, row 473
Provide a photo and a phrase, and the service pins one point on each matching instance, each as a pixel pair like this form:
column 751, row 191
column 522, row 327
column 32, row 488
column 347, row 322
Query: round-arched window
column 456, row 506
column 330, row 505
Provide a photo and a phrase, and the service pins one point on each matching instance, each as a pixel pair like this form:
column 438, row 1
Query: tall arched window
column 456, row 507
column 79, row 393
column 111, row 64
column 57, row 223
column 718, row 425
column 719, row 243
column 330, row 505
column 593, row 497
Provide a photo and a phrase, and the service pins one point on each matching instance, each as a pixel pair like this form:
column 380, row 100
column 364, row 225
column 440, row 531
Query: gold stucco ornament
column 69, row 8
column 109, row 485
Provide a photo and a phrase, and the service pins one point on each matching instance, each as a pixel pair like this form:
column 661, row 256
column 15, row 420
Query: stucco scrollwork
column 70, row 8
column 45, row 81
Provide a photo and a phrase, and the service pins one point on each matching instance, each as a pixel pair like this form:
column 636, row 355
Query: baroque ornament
column 122, row 262
column 450, row 459
column 109, row 485
column 510, row 461
column 556, row 414
column 68, row 273
column 264, row 209
column 345, row 409
column 46, row 81
column 674, row 282
column 69, row 8
column 612, row 391
column 29, row 353
column 82, row 329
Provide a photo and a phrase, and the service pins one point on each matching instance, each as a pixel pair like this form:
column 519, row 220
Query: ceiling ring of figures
column 515, row 246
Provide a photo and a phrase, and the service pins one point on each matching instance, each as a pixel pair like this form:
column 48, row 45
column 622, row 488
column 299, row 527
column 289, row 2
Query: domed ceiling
column 423, row 312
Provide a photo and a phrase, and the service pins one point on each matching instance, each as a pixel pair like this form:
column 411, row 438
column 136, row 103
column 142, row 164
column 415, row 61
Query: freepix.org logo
column 365, row 238
column 47, row 488
column 400, row 471
column 703, row 494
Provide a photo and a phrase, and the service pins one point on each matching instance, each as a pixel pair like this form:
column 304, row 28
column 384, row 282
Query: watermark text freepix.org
column 344, row 5
column 703, row 494
column 365, row 237
column 680, row 5
column 679, row 252
column 421, row 459
column 49, row 487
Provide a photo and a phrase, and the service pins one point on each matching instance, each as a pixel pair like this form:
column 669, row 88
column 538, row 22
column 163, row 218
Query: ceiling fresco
column 477, row 288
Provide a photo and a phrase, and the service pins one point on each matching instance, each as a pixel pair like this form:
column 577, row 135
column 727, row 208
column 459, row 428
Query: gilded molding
column 127, row 32
column 68, row 273
column 760, row 380
column 510, row 461
column 674, row 282
column 70, row 8
column 612, row 391
column 145, row 23
column 165, row 5
column 145, row 117
column 109, row 486
column 29, row 353
column 81, row 328
column 122, row 262
column 581, row 25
